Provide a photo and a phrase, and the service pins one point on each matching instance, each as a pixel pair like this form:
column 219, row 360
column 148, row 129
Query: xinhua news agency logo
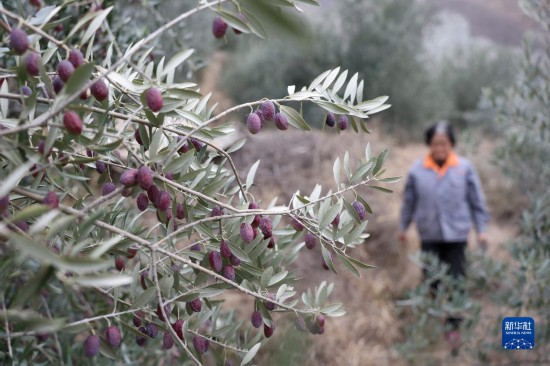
column 518, row 333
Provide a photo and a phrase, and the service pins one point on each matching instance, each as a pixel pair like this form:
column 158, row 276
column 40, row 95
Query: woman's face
column 440, row 146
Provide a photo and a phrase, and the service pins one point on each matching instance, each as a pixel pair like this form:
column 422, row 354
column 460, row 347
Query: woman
column 443, row 196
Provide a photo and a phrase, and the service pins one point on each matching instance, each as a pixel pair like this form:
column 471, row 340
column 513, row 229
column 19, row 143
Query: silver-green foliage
column 58, row 281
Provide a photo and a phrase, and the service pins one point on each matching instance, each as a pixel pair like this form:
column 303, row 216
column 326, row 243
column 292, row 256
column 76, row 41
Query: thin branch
column 87, row 320
column 219, row 150
column 101, row 200
column 99, row 317
column 240, row 213
column 234, row 284
column 246, row 212
column 7, row 326
column 221, row 115
column 112, row 297
column 151, row 247
column 35, row 29
column 337, row 193
column 146, row 123
column 195, row 193
column 225, row 345
column 55, row 337
column 165, row 316
column 43, row 118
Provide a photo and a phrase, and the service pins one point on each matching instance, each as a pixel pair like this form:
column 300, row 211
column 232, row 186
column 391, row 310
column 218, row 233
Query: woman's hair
column 440, row 127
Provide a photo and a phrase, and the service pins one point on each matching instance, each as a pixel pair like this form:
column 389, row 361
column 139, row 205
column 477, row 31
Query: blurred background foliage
column 388, row 43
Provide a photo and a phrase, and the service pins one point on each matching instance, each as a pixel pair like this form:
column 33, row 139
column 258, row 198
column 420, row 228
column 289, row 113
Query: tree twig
column 151, row 247
column 165, row 316
column 43, row 118
column 7, row 326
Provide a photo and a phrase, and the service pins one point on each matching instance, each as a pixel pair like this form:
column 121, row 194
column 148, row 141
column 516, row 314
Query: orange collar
column 452, row 160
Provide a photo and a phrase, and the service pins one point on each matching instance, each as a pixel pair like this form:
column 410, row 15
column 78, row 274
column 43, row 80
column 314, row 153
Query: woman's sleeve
column 476, row 201
column 409, row 202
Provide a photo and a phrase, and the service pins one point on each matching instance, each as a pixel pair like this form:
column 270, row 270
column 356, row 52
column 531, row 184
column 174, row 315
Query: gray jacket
column 444, row 206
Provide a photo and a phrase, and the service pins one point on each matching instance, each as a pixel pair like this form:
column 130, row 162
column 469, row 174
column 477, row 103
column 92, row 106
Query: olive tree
column 124, row 223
